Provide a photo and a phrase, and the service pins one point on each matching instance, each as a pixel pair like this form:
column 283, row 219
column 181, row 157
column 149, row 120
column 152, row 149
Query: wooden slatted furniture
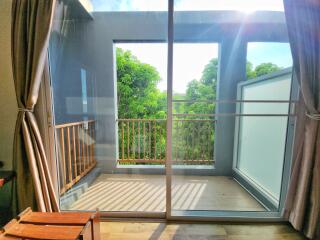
column 53, row 226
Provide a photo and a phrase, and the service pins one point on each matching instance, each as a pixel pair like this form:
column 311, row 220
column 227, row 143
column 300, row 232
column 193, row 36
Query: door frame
column 170, row 214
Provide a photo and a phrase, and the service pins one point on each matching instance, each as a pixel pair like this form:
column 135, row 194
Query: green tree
column 210, row 72
column 250, row 72
column 265, row 68
column 138, row 95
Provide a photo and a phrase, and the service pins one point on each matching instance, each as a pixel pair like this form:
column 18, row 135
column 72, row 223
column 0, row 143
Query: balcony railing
column 76, row 156
column 143, row 141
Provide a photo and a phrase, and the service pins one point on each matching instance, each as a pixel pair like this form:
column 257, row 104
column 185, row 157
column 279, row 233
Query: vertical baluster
column 185, row 139
column 87, row 145
column 202, row 142
column 208, row 156
column 160, row 142
column 122, row 140
column 138, row 139
column 128, row 140
column 133, row 142
column 155, row 139
column 69, row 156
column 79, row 151
column 150, row 155
column 83, row 162
column 74, row 152
column 176, row 141
column 93, row 142
column 180, row 141
column 199, row 142
column 193, row 141
column 144, row 140
column 63, row 160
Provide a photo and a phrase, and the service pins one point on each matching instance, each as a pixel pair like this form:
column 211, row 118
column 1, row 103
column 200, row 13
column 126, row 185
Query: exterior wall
column 77, row 43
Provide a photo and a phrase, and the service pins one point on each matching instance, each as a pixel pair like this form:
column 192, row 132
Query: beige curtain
column 303, row 200
column 31, row 24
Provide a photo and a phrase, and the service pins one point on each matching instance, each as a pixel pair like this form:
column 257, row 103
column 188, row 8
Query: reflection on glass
column 110, row 110
column 246, row 6
column 227, row 153
column 264, row 58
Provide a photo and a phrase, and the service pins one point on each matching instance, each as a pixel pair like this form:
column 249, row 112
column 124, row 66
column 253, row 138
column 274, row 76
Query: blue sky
column 277, row 53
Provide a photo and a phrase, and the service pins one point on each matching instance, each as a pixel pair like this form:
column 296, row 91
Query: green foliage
column 250, row 71
column 261, row 69
column 138, row 95
column 265, row 68
column 139, row 98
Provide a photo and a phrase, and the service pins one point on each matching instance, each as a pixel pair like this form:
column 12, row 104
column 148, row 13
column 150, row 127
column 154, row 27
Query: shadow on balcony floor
column 122, row 192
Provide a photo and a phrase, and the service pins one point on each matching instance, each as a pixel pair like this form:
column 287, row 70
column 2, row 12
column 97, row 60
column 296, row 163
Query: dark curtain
column 31, row 24
column 303, row 200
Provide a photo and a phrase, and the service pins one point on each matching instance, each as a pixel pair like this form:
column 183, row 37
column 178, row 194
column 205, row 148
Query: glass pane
column 109, row 88
column 244, row 5
column 230, row 111
column 129, row 5
column 264, row 58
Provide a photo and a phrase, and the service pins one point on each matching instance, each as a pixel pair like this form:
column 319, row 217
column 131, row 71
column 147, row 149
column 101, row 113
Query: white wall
column 8, row 105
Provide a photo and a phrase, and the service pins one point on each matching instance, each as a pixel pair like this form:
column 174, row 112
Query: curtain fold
column 303, row 199
column 31, row 24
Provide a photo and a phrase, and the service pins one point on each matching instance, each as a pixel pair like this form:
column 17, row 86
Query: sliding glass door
column 109, row 73
column 177, row 109
column 232, row 99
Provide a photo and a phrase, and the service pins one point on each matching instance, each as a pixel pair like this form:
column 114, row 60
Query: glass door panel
column 232, row 122
column 109, row 87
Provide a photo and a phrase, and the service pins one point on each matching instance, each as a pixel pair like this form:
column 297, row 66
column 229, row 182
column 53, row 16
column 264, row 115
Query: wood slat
column 64, row 125
column 30, row 231
column 150, row 156
column 133, row 140
column 94, row 141
column 87, row 147
column 122, row 139
column 83, row 150
column 57, row 218
column 144, row 140
column 139, row 139
column 128, row 140
column 63, row 160
column 69, row 155
column 74, row 152
column 79, row 150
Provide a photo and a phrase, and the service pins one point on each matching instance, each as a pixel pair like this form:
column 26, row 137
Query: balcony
column 75, row 142
column 233, row 155
column 136, row 180
column 143, row 142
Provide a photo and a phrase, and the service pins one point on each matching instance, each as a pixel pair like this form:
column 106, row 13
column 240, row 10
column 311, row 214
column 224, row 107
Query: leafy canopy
column 139, row 97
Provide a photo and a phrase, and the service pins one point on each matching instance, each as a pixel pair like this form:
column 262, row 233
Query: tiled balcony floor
column 122, row 192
